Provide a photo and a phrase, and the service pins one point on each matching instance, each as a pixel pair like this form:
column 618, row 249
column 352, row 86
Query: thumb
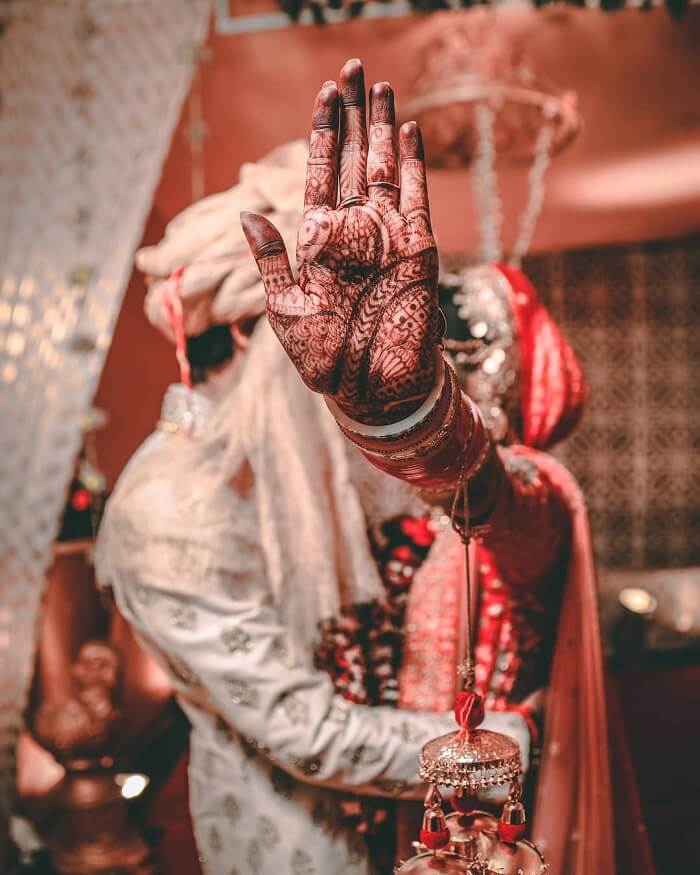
column 284, row 297
column 267, row 246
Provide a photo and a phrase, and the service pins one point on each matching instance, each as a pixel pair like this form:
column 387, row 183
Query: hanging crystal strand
column 485, row 185
column 535, row 194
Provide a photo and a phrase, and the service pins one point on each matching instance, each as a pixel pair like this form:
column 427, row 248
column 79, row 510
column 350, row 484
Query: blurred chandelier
column 468, row 62
column 479, row 100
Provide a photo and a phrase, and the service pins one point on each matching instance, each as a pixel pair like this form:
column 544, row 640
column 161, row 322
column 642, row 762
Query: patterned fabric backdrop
column 91, row 92
column 633, row 316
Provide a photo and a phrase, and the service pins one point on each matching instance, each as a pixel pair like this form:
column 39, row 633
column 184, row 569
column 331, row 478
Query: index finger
column 414, row 187
column 322, row 167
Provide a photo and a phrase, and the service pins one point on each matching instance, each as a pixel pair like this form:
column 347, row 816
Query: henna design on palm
column 361, row 324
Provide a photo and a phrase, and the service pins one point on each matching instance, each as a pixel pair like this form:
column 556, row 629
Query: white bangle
column 395, row 428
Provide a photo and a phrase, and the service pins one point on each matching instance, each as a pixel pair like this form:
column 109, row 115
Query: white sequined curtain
column 91, row 92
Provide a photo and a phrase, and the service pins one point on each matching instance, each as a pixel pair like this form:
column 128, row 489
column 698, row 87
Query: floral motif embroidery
column 411, row 732
column 339, row 710
column 232, row 809
column 254, row 855
column 184, row 617
column 241, row 693
column 268, row 832
column 215, row 843
column 235, row 640
column 296, row 709
column 301, row 863
column 365, row 755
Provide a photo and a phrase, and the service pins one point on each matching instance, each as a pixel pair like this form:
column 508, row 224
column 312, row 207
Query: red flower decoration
column 402, row 553
column 469, row 710
column 418, row 530
column 81, row 499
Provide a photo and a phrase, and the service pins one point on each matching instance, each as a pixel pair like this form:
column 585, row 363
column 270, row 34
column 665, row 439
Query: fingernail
column 325, row 110
column 352, row 82
column 411, row 140
column 261, row 234
column 382, row 103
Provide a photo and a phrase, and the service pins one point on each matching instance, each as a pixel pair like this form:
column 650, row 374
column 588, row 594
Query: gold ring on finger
column 353, row 200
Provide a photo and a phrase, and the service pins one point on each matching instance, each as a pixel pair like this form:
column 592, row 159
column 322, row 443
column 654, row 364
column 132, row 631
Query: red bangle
column 438, row 467
column 421, row 437
column 431, row 455
column 447, row 446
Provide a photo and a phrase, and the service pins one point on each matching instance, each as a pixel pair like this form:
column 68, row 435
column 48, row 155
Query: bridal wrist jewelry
column 402, row 428
column 441, row 443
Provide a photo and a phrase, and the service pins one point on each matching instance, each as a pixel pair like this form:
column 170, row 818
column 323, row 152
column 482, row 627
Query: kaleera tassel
column 434, row 833
column 471, row 760
column 513, row 823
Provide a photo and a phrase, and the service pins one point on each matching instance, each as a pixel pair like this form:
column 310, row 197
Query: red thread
column 172, row 299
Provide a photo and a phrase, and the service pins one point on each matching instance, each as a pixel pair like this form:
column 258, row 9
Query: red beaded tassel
column 434, row 833
column 513, row 823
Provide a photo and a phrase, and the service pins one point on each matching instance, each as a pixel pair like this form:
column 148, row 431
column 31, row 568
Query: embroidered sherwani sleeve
column 232, row 654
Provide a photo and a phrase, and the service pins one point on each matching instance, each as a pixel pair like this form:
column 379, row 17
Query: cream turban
column 220, row 283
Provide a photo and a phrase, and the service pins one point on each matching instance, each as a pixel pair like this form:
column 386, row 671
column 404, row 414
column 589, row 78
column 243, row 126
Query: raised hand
column 361, row 325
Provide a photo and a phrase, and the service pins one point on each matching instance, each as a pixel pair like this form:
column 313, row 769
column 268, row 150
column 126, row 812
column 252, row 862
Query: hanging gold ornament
column 469, row 59
column 471, row 842
column 474, row 842
column 479, row 100
column 473, row 760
